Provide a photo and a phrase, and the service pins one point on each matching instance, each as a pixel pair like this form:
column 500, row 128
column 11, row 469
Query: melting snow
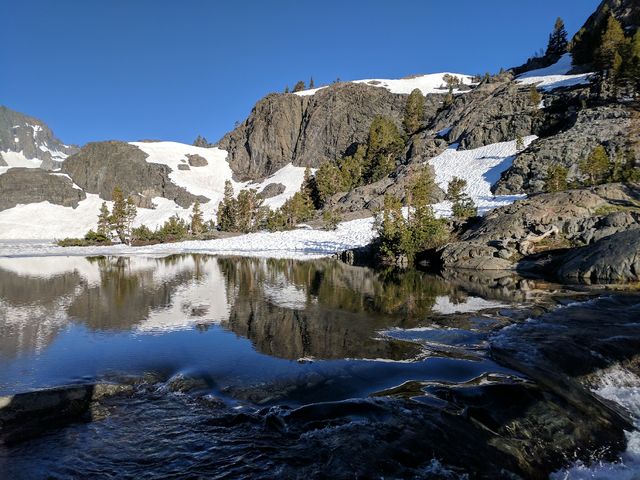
column 427, row 84
column 555, row 76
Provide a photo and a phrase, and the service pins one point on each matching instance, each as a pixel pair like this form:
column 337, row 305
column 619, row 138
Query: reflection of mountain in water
column 287, row 308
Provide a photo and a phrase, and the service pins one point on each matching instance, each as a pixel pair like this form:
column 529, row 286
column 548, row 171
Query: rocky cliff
column 308, row 130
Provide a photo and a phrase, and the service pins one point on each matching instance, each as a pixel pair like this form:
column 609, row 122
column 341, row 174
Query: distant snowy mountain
column 28, row 142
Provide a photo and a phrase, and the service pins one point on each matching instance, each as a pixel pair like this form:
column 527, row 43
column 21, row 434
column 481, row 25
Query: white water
column 622, row 387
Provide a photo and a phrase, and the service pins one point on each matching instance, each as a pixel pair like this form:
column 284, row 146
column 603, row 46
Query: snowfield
column 427, row 84
column 555, row 76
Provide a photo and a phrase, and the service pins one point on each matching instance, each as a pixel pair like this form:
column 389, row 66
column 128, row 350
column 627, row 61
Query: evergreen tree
column 394, row 237
column 384, row 145
column 227, row 209
column 596, row 166
column 463, row 206
column 248, row 211
column 448, row 100
column 130, row 213
column 610, row 52
column 311, row 83
column 634, row 60
column 104, row 221
column 118, row 218
column 328, row 181
column 175, row 228
column 286, row 89
column 200, row 141
column 556, row 180
column 197, row 219
column 414, row 111
column 558, row 43
column 299, row 86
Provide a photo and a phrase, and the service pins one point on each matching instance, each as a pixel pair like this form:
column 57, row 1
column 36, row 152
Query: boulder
column 615, row 258
column 196, row 160
column 272, row 190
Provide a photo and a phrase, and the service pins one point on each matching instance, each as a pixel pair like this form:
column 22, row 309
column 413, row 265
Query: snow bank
column 427, row 84
column 289, row 176
column 555, row 76
column 297, row 244
column 481, row 168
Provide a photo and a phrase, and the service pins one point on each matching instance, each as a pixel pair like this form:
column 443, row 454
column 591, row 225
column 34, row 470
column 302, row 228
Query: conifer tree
column 227, row 209
column 119, row 214
column 612, row 43
column 384, row 145
column 596, row 166
column 286, row 89
column 130, row 213
column 197, row 220
column 558, row 43
column 463, row 206
column 299, row 86
column 248, row 211
column 311, row 83
column 448, row 100
column 414, row 111
column 104, row 221
column 556, row 180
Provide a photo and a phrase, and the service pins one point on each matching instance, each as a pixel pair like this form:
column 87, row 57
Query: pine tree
column 248, row 211
column 463, row 206
column 448, row 100
column 197, row 220
column 227, row 209
column 286, row 89
column 634, row 60
column 596, row 166
column 104, row 221
column 299, row 86
column 558, row 43
column 328, row 182
column 118, row 216
column 556, row 180
column 311, row 83
column 130, row 213
column 612, row 43
column 384, row 145
column 414, row 111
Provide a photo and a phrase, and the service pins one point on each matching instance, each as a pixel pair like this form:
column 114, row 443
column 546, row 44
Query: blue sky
column 163, row 69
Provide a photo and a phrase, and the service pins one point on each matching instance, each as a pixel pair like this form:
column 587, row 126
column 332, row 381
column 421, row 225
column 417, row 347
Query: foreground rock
column 29, row 414
column 504, row 238
column 31, row 185
column 613, row 258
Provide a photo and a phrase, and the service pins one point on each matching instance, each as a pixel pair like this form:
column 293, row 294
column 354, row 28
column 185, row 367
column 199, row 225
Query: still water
column 273, row 368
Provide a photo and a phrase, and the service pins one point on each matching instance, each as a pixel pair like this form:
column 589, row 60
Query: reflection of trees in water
column 126, row 295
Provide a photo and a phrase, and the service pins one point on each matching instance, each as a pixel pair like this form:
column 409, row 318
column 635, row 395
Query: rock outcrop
column 29, row 185
column 501, row 239
column 585, row 129
column 307, row 130
column 612, row 258
column 100, row 166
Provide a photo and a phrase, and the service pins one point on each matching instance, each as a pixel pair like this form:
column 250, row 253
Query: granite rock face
column 604, row 125
column 30, row 185
column 100, row 166
column 308, row 130
column 612, row 258
column 577, row 217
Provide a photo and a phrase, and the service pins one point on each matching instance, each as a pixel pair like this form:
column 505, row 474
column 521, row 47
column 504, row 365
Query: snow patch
column 481, row 168
column 18, row 159
column 289, row 176
column 555, row 76
column 445, row 306
column 427, row 84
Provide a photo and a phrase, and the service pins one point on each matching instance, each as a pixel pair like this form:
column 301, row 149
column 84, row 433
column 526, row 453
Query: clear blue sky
column 172, row 69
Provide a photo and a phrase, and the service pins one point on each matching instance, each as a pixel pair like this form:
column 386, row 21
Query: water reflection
column 288, row 309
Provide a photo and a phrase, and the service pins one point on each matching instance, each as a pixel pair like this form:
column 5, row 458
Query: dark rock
column 183, row 166
column 32, row 185
column 272, row 190
column 196, row 160
column 614, row 258
column 100, row 166
column 307, row 130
